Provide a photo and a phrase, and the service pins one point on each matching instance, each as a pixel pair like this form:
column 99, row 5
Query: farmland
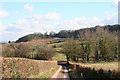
column 105, row 65
column 97, row 65
column 60, row 40
column 80, row 70
column 79, row 55
column 59, row 56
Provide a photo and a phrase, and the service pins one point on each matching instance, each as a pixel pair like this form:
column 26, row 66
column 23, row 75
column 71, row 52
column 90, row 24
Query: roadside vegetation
column 97, row 71
column 25, row 68
column 46, row 75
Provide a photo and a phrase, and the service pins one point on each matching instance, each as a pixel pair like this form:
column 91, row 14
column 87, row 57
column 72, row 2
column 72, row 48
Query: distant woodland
column 68, row 33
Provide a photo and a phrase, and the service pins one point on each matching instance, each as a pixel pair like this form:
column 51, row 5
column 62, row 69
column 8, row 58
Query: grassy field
column 58, row 49
column 47, row 74
column 94, row 70
column 105, row 65
column 56, row 44
column 59, row 56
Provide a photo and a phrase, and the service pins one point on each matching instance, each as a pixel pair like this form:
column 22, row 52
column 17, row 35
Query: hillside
column 33, row 36
column 65, row 33
column 75, row 33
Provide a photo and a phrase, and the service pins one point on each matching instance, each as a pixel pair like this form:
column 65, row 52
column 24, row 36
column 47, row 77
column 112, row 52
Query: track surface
column 61, row 74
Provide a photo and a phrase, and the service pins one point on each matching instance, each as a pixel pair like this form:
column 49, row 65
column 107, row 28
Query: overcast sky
column 20, row 18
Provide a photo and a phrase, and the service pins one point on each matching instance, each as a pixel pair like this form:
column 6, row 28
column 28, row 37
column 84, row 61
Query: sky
column 18, row 19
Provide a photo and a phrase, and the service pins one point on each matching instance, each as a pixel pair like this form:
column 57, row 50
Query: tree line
column 65, row 33
column 100, row 45
column 32, row 51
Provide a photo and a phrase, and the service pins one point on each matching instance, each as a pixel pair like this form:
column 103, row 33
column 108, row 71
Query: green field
column 56, row 44
column 58, row 49
column 105, row 65
column 59, row 56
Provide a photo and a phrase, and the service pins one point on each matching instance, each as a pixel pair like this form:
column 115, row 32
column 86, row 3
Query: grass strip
column 48, row 74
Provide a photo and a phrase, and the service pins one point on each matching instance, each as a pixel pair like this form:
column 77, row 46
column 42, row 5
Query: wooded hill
column 67, row 33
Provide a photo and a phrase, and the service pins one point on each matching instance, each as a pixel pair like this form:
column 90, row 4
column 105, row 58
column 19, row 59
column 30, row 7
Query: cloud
column 0, row 23
column 28, row 7
column 116, row 2
column 22, row 21
column 87, row 21
column 4, row 14
column 16, row 12
column 110, row 18
column 2, row 27
column 8, row 35
column 34, row 17
column 24, row 27
column 67, row 25
column 4, row 32
column 42, row 23
column 53, row 16
column 84, row 22
column 49, row 16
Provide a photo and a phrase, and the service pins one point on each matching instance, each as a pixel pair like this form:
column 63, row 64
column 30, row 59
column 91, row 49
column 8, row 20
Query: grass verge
column 47, row 75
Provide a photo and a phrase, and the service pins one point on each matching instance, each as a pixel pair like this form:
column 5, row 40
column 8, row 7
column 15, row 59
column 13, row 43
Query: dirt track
column 61, row 74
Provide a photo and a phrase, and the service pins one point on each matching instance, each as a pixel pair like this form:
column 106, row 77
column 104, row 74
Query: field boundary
column 87, row 71
column 25, row 68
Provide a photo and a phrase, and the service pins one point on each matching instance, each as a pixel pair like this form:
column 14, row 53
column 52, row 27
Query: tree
column 9, row 41
column 71, row 48
column 67, row 46
column 52, row 34
column 75, row 50
column 44, row 52
column 88, row 50
column 45, row 35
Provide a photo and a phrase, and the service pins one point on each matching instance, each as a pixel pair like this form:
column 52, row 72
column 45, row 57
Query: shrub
column 39, row 51
column 44, row 52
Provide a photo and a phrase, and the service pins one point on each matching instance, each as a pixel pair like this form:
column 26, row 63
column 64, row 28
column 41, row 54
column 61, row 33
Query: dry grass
column 105, row 65
column 97, row 70
column 33, row 42
column 39, row 41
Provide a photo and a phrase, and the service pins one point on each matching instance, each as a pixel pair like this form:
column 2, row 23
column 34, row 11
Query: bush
column 40, row 51
column 44, row 52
